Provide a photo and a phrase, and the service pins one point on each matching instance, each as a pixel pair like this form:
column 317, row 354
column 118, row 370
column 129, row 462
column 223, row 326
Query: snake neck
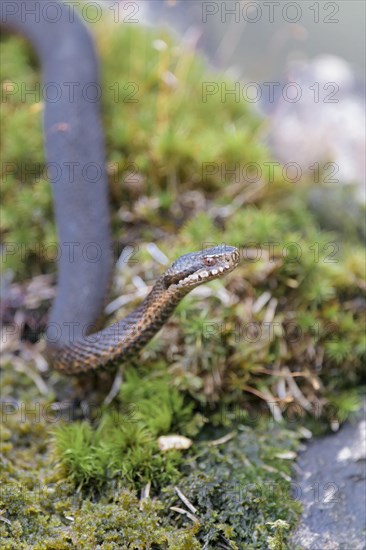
column 123, row 339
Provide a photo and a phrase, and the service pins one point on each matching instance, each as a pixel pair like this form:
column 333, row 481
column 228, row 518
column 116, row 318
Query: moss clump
column 124, row 443
column 154, row 144
column 40, row 518
column 309, row 326
column 236, row 486
column 239, row 486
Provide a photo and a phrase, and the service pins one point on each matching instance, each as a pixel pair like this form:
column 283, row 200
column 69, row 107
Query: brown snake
column 74, row 138
column 126, row 337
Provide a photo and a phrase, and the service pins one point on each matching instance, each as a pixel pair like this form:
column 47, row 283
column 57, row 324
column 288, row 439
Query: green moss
column 125, row 442
column 277, row 542
column 238, row 487
column 46, row 519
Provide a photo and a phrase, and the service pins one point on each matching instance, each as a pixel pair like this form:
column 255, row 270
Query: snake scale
column 74, row 137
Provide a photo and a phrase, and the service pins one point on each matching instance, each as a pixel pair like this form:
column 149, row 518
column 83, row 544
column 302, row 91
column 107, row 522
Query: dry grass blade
column 185, row 500
column 185, row 512
column 295, row 390
column 223, row 439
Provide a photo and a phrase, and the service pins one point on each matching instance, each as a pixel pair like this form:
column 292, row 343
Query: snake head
column 195, row 268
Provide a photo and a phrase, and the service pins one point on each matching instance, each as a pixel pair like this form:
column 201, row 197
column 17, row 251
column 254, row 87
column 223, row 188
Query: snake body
column 126, row 337
column 74, row 139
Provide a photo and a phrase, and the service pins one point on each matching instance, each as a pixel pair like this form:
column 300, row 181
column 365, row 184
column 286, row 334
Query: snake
column 74, row 139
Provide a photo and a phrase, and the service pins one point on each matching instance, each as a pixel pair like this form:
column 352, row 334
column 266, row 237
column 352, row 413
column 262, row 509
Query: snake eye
column 209, row 261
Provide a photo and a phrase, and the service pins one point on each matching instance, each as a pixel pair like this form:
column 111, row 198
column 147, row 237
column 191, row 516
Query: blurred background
column 258, row 40
column 318, row 45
